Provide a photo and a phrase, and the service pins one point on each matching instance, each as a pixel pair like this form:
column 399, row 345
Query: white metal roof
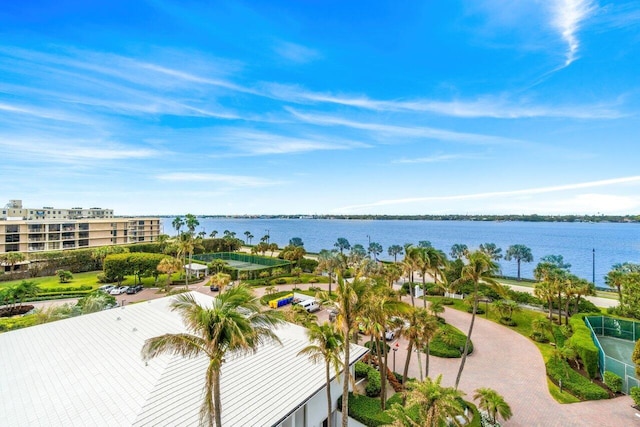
column 88, row 371
column 195, row 267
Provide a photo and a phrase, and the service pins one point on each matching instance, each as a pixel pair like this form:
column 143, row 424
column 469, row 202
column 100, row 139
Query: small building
column 87, row 371
column 197, row 270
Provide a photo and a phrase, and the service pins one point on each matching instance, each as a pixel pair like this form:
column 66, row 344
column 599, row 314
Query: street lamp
column 593, row 266
column 395, row 348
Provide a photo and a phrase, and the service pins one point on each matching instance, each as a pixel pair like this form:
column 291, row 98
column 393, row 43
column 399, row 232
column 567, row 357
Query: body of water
column 613, row 242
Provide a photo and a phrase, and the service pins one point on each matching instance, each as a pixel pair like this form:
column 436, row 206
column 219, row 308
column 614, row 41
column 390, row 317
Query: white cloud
column 567, row 18
column 404, row 131
column 232, row 180
column 494, row 194
column 437, row 158
column 249, row 142
column 296, row 52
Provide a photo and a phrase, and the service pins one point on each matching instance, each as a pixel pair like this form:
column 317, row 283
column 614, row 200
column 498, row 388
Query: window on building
column 12, row 228
column 10, row 238
column 11, row 248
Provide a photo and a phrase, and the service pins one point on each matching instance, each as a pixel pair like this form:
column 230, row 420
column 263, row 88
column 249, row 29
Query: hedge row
column 367, row 410
column 573, row 382
column 583, row 343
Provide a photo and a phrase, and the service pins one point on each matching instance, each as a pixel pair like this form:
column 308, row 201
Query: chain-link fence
column 601, row 326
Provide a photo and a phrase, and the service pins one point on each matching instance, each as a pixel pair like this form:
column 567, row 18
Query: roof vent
column 118, row 318
column 134, row 329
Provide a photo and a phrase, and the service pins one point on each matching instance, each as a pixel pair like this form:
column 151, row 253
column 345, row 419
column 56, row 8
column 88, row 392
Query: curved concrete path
column 512, row 365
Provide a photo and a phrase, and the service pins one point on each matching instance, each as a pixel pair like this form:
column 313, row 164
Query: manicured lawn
column 89, row 278
column 601, row 294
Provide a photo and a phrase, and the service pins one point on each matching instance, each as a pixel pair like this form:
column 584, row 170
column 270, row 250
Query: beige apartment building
column 27, row 234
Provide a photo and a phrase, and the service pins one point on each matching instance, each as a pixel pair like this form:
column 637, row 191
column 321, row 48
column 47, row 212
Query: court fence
column 603, row 326
column 248, row 265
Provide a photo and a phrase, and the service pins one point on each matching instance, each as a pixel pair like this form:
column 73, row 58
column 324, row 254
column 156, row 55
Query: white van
column 310, row 305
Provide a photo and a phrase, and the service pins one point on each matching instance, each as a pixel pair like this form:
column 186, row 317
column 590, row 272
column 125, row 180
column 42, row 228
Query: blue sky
column 167, row 107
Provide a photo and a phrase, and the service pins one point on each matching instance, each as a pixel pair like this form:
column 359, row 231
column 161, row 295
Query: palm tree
column 520, row 253
column 350, row 302
column 410, row 265
column 437, row 262
column 489, row 400
column 459, row 250
column 434, row 405
column 429, row 328
column 169, row 265
column 479, row 270
column 191, row 222
column 394, row 251
column 544, row 291
column 213, row 234
column 247, row 234
column 342, row 244
column 233, row 325
column 327, row 345
column 177, row 223
column 492, row 250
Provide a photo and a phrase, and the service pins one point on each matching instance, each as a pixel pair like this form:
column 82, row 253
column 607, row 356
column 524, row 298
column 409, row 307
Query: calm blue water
column 613, row 243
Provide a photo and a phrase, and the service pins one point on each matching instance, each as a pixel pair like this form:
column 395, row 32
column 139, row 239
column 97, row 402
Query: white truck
column 307, row 302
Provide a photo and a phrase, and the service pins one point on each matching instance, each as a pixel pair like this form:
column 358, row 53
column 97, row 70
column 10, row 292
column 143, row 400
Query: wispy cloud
column 255, row 143
column 404, row 131
column 80, row 151
column 495, row 194
column 295, row 52
column 498, row 107
column 567, row 18
column 437, row 158
column 232, row 180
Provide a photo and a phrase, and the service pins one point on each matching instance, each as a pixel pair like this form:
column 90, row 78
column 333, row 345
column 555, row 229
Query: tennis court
column 244, row 262
column 244, row 266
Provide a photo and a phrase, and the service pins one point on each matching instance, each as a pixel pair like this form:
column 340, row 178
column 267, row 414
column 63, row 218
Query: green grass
column 89, row 278
column 601, row 294
column 563, row 397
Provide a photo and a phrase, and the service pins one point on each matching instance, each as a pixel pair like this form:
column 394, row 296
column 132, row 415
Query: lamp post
column 395, row 348
column 593, row 266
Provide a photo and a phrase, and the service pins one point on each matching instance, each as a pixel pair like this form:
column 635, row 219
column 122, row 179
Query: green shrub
column 479, row 310
column 573, row 382
column 313, row 280
column 367, row 410
column 281, row 281
column 362, row 369
column 449, row 346
column 613, row 381
column 539, row 337
column 635, row 395
column 447, row 301
column 373, row 383
column 583, row 343
column 507, row 321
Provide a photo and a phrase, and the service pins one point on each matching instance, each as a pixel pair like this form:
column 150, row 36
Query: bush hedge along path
column 512, row 365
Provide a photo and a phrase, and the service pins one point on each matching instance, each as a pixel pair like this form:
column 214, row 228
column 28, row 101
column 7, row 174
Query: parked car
column 389, row 335
column 333, row 313
column 134, row 289
column 214, row 288
column 106, row 288
column 118, row 291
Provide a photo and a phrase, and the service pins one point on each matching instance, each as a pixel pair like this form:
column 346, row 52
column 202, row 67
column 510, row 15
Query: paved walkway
column 512, row 365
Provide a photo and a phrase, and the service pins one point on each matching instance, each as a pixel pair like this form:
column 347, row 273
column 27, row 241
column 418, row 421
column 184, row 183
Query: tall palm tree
column 434, row 405
column 424, row 265
column 489, row 400
column 520, row 253
column 177, row 223
column 233, row 325
column 326, row 346
column 169, row 265
column 429, row 329
column 437, row 262
column 480, row 270
column 410, row 265
column 350, row 301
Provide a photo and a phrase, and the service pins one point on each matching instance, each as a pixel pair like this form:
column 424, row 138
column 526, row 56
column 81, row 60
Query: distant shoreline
column 483, row 218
